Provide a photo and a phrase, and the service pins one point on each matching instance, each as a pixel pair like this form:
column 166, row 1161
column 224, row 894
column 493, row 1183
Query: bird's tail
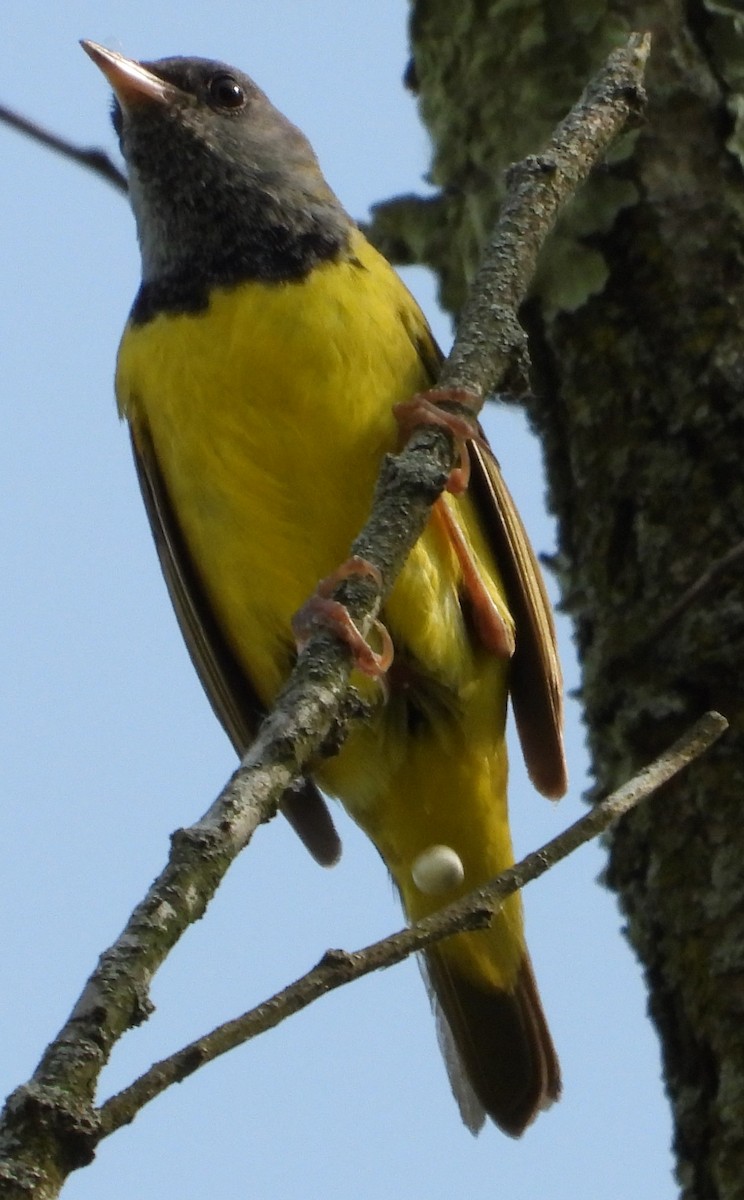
column 499, row 1053
column 441, row 826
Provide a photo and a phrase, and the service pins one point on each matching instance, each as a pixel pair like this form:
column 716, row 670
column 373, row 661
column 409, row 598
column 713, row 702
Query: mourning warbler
column 264, row 354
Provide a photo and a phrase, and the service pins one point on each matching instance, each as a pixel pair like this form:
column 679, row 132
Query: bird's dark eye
column 226, row 92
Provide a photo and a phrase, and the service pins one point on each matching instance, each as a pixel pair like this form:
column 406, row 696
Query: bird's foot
column 322, row 609
column 425, row 409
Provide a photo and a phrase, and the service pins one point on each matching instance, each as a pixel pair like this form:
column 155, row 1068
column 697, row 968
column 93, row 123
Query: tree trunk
column 635, row 328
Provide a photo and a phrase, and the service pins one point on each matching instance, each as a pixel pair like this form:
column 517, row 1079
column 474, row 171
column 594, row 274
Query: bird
column 268, row 355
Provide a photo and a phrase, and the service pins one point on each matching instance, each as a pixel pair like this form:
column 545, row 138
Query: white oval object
column 436, row 870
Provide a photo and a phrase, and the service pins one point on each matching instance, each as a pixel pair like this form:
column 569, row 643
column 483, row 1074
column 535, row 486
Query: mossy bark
column 638, row 351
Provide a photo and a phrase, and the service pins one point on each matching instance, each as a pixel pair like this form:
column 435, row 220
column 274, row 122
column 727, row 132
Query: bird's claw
column 322, row 609
column 425, row 409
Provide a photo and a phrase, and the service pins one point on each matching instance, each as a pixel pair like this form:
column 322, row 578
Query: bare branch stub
column 92, row 158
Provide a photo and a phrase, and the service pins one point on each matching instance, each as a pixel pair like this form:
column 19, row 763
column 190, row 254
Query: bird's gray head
column 221, row 183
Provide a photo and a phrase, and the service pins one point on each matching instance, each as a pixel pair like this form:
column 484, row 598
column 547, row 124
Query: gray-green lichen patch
column 570, row 270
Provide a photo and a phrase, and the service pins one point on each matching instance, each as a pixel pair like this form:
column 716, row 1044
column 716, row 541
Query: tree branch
column 49, row 1126
column 91, row 158
column 475, row 911
column 492, row 344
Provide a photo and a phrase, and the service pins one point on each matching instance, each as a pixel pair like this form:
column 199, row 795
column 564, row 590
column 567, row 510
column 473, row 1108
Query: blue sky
column 107, row 743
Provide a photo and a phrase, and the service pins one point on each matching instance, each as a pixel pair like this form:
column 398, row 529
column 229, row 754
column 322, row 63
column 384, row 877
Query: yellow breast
column 269, row 414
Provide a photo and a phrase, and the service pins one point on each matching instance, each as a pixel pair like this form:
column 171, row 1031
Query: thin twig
column 91, row 158
column 474, row 911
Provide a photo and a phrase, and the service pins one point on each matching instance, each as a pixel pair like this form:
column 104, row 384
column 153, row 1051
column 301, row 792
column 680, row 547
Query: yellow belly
column 269, row 415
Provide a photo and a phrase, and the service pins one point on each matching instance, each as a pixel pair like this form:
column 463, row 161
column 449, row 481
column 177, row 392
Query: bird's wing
column 536, row 684
column 535, row 681
column 228, row 688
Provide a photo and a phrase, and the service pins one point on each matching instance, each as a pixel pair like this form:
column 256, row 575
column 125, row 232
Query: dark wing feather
column 228, row 689
column 536, row 683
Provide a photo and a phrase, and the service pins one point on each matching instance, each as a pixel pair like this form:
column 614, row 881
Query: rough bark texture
column 639, row 372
